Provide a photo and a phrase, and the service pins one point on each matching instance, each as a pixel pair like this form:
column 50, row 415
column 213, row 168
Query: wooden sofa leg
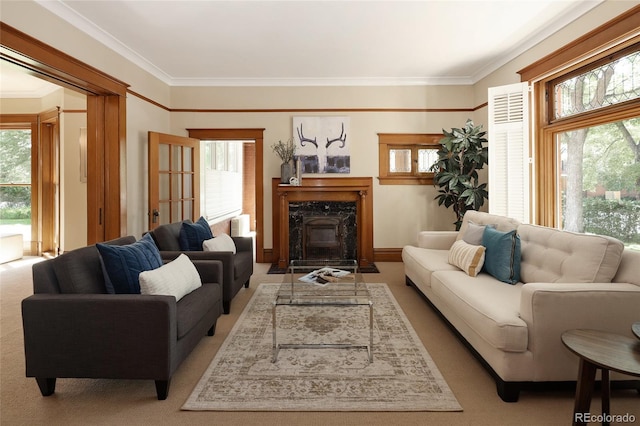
column 47, row 385
column 212, row 330
column 246, row 285
column 508, row 392
column 162, row 389
column 226, row 307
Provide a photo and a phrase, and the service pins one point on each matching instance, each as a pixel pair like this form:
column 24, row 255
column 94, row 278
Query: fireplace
column 322, row 238
column 328, row 218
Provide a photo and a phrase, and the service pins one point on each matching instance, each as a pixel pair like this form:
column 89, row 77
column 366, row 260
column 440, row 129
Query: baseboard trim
column 379, row 255
column 387, row 254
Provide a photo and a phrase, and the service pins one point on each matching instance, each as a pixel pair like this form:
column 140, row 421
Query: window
column 613, row 82
column 592, row 142
column 222, row 189
column 406, row 158
column 15, row 182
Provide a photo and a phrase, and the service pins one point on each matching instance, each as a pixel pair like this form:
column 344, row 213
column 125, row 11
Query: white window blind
column 222, row 179
column 509, row 168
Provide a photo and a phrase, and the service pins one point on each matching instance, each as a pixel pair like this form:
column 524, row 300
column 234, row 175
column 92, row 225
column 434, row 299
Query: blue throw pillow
column 502, row 255
column 192, row 235
column 123, row 264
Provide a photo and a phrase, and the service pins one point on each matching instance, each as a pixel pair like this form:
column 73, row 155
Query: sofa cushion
column 222, row 242
column 474, row 232
column 176, row 278
column 502, row 257
column 79, row 271
column 167, row 236
column 124, row 263
column 552, row 255
column 467, row 257
column 486, row 305
column 420, row 263
column 502, row 223
column 192, row 235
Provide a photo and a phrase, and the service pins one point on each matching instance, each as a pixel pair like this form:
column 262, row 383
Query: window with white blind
column 222, row 179
column 509, row 159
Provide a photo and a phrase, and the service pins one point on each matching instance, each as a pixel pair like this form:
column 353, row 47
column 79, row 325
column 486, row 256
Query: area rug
column 402, row 376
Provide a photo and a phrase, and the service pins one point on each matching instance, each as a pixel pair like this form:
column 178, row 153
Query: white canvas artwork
column 322, row 144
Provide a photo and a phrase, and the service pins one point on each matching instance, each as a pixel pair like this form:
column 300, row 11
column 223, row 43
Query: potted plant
column 286, row 152
column 460, row 157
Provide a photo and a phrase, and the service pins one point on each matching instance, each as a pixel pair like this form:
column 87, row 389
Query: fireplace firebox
column 322, row 237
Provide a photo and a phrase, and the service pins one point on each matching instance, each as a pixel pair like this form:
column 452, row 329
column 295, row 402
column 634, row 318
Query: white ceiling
column 238, row 42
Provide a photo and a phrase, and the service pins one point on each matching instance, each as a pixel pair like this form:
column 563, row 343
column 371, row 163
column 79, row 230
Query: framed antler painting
column 322, row 144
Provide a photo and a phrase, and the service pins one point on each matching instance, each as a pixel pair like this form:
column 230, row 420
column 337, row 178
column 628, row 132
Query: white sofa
column 567, row 281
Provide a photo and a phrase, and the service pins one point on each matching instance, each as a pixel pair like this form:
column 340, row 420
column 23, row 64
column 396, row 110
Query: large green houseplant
column 460, row 157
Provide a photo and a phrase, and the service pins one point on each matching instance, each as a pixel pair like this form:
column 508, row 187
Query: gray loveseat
column 237, row 268
column 72, row 328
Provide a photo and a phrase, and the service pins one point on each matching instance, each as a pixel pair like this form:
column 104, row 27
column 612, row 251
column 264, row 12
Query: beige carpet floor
column 122, row 402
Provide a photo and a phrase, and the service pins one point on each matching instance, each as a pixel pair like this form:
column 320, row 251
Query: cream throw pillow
column 222, row 242
column 467, row 257
column 176, row 278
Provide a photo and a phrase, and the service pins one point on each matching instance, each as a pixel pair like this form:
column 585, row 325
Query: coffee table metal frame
column 348, row 291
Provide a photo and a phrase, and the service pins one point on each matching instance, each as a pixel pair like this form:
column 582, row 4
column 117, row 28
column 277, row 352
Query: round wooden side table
column 636, row 329
column 607, row 351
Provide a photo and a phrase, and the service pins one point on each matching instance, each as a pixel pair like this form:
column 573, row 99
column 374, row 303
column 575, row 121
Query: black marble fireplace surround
column 344, row 210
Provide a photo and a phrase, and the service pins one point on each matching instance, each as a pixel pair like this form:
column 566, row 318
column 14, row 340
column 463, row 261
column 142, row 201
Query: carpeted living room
column 101, row 401
column 319, row 212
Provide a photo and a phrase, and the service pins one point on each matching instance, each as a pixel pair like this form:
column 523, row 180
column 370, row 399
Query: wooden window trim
column 413, row 141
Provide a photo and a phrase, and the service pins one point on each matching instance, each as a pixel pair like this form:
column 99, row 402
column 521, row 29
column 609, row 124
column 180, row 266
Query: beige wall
column 142, row 117
column 399, row 211
column 73, row 192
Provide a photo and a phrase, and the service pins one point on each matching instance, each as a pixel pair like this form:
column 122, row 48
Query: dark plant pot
column 286, row 172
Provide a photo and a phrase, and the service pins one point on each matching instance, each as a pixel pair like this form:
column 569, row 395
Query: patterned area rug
column 402, row 376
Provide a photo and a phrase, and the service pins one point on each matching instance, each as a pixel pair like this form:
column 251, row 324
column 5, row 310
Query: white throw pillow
column 222, row 242
column 176, row 278
column 467, row 257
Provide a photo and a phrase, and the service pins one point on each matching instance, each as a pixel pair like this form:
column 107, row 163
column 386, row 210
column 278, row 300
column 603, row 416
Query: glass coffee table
column 319, row 283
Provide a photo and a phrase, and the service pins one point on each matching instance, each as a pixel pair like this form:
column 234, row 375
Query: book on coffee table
column 325, row 276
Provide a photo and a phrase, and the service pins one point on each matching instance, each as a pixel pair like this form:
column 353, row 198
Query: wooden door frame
column 256, row 135
column 106, row 125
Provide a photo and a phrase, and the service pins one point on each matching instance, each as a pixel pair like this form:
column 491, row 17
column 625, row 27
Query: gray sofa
column 72, row 328
column 237, row 268
column 567, row 281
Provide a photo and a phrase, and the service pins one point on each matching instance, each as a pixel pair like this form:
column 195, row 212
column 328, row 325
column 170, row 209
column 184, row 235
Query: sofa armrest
column 549, row 309
column 438, row 240
column 99, row 335
column 243, row 243
column 210, row 270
